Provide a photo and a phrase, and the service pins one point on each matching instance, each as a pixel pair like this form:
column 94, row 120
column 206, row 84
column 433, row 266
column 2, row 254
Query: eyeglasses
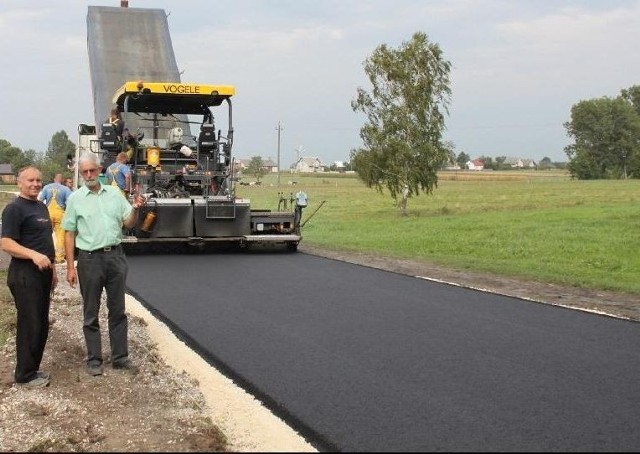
column 87, row 171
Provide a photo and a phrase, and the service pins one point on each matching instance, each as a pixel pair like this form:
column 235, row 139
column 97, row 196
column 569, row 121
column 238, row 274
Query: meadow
column 538, row 225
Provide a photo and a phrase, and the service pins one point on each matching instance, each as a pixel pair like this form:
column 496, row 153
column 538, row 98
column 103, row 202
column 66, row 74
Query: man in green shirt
column 93, row 222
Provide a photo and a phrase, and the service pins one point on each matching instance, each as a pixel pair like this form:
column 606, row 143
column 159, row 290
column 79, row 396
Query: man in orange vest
column 55, row 196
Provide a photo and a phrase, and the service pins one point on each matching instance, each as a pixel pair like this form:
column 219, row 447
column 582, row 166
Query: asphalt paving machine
column 188, row 179
column 178, row 137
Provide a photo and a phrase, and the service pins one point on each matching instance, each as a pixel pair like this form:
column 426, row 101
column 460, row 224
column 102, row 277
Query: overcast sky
column 517, row 67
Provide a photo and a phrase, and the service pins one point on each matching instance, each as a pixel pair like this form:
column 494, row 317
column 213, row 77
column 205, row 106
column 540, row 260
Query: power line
column 279, row 129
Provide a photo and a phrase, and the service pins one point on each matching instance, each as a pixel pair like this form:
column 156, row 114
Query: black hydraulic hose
column 314, row 212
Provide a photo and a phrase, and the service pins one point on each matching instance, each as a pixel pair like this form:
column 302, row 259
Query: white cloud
column 565, row 47
column 518, row 66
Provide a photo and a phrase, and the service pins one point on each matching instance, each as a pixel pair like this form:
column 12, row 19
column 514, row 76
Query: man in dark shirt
column 26, row 236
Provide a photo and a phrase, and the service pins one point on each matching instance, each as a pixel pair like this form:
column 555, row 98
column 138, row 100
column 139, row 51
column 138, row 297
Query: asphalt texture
column 360, row 359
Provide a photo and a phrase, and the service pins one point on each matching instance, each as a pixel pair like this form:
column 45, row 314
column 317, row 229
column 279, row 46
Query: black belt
column 103, row 250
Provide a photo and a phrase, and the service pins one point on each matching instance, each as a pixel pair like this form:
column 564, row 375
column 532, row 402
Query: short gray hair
column 28, row 167
column 89, row 157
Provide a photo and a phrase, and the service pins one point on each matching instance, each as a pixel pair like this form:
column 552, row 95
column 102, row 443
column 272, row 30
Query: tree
column 487, row 161
column 450, row 148
column 52, row 162
column 462, row 159
column 545, row 163
column 499, row 163
column 606, row 132
column 256, row 167
column 405, row 109
column 632, row 95
column 56, row 157
column 24, row 159
column 8, row 152
column 59, row 147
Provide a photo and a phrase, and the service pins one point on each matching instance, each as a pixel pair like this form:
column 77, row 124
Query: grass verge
column 542, row 226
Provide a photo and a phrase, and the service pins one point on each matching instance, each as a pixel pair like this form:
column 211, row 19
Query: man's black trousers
column 31, row 290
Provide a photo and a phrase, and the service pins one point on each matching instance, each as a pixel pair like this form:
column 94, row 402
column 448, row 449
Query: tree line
column 55, row 159
column 501, row 162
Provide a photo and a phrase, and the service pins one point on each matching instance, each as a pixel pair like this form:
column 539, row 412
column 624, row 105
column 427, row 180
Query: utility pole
column 279, row 129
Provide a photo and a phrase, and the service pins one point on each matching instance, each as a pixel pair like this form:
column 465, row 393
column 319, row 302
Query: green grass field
column 538, row 225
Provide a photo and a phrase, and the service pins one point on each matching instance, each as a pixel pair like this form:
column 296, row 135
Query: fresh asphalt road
column 360, row 359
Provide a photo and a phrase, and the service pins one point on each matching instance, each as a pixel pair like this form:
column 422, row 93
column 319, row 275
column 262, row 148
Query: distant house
column 308, row 165
column 268, row 164
column 520, row 163
column 475, row 164
column 6, row 174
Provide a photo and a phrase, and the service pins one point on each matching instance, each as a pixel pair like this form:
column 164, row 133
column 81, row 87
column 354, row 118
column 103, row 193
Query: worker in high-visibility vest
column 118, row 174
column 55, row 196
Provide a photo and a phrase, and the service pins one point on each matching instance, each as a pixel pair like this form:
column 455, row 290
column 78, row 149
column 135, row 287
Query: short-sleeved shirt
column 97, row 217
column 57, row 190
column 28, row 223
column 118, row 172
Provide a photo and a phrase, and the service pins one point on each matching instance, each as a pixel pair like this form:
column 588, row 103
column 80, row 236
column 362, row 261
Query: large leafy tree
column 59, row 150
column 60, row 147
column 405, row 110
column 606, row 133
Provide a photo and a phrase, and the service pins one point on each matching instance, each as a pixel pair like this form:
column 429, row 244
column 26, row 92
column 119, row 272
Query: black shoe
column 43, row 374
column 37, row 382
column 125, row 365
column 94, row 370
